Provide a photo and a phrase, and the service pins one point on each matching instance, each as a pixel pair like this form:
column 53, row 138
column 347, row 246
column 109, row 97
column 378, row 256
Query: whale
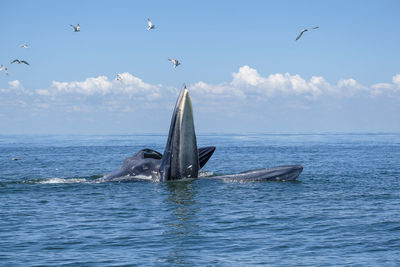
column 182, row 159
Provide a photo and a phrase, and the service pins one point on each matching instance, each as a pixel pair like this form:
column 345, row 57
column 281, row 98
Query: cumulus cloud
column 387, row 88
column 101, row 85
column 396, row 80
column 14, row 84
column 247, row 82
column 246, row 85
column 88, row 87
column 15, row 87
column 11, row 85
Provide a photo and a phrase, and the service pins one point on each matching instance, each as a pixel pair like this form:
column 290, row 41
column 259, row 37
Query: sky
column 239, row 59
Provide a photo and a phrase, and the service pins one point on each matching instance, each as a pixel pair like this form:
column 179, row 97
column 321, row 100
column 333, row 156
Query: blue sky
column 244, row 69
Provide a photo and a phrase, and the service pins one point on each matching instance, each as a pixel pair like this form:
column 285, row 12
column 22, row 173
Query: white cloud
column 247, row 76
column 396, row 80
column 88, row 87
column 14, row 84
column 350, row 87
column 129, row 85
column 248, row 79
column 15, row 87
column 246, row 84
column 387, row 88
column 42, row 92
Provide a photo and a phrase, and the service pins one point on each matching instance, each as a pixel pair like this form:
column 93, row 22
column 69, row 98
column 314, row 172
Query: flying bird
column 304, row 30
column 19, row 61
column 24, row 46
column 76, row 28
column 151, row 26
column 175, row 62
column 119, row 77
column 3, row 68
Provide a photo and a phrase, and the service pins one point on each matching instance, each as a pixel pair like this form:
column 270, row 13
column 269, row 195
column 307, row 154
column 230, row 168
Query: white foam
column 56, row 180
column 205, row 174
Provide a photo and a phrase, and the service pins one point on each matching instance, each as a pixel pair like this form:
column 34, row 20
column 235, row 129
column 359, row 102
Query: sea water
column 344, row 209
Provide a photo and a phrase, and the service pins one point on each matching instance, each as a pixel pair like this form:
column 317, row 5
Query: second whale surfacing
column 183, row 159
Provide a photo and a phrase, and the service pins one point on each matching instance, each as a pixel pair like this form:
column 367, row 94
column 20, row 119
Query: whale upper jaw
column 180, row 159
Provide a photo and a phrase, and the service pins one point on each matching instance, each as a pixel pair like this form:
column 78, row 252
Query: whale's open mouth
column 180, row 158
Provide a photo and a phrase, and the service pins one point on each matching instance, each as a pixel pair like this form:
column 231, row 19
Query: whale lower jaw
column 180, row 159
column 280, row 173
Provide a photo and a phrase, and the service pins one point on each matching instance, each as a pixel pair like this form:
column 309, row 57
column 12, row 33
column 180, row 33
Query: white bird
column 76, row 28
column 119, row 77
column 175, row 62
column 3, row 68
column 304, row 30
column 19, row 61
column 151, row 26
column 24, row 46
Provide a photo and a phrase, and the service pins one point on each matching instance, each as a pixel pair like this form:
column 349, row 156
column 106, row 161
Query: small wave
column 205, row 174
column 125, row 179
column 56, row 180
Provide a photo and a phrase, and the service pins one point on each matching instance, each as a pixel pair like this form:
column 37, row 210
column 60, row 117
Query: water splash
column 56, row 180
column 205, row 174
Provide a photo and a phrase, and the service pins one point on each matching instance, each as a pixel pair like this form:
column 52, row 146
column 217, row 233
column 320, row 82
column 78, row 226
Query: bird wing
column 301, row 33
column 149, row 23
column 4, row 69
column 23, row 61
column 170, row 59
column 15, row 60
column 72, row 26
column 315, row 28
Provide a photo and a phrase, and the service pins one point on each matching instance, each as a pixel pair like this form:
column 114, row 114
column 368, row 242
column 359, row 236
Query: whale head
column 181, row 159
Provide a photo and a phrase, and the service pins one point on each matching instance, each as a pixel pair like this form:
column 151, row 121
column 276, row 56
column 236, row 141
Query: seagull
column 4, row 69
column 119, row 77
column 16, row 158
column 19, row 61
column 304, row 30
column 175, row 62
column 24, row 46
column 151, row 26
column 77, row 28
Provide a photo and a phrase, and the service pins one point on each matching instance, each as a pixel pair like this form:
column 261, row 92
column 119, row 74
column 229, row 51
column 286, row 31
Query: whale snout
column 290, row 173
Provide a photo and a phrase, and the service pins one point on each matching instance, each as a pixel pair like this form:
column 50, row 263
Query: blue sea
column 344, row 209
